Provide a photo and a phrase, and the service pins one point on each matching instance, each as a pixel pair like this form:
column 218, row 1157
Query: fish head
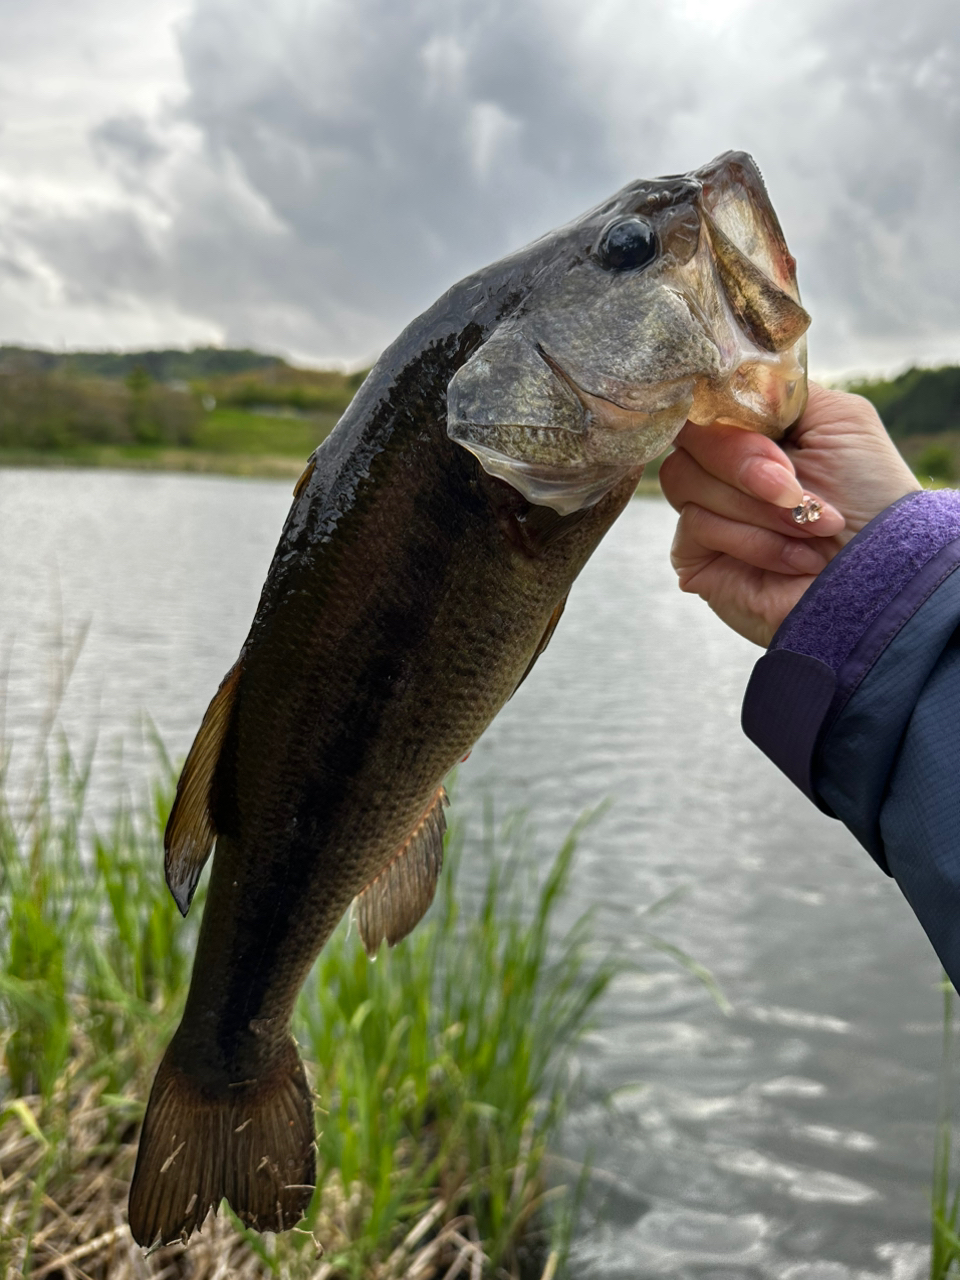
column 675, row 299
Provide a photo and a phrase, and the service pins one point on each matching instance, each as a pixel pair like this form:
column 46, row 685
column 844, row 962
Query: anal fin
column 190, row 831
column 398, row 898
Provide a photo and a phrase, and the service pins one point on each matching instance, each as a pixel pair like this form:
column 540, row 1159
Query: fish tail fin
column 252, row 1144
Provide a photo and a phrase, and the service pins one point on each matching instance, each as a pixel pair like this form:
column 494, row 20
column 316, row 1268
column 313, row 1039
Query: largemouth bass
column 425, row 562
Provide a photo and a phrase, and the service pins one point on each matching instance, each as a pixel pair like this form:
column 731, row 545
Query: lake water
column 790, row 1137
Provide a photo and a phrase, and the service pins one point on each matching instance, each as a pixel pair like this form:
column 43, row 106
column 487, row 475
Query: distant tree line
column 324, row 393
column 63, row 401
column 921, row 410
column 167, row 365
column 917, row 402
column 56, row 411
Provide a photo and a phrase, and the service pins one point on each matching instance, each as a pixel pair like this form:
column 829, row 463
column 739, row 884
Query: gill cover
column 525, row 424
column 563, row 402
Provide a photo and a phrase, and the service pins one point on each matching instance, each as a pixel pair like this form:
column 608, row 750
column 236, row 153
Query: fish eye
column 627, row 244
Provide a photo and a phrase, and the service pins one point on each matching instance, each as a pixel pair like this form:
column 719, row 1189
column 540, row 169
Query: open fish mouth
column 679, row 301
column 760, row 328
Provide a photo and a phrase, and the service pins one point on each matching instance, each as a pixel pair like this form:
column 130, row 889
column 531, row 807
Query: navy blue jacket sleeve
column 857, row 700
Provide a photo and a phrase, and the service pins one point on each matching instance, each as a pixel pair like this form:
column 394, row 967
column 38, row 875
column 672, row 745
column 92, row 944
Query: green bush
column 916, row 402
column 936, row 462
column 293, row 395
column 54, row 411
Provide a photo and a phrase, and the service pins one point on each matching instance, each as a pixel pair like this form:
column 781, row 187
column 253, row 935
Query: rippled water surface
column 790, row 1137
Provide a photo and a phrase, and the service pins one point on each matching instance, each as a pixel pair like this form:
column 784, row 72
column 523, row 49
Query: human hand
column 737, row 545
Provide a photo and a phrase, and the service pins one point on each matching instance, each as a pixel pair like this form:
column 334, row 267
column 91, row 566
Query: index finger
column 745, row 460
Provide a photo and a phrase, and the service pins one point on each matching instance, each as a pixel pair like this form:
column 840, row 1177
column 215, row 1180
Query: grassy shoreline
column 145, row 458
column 439, row 1069
column 188, row 461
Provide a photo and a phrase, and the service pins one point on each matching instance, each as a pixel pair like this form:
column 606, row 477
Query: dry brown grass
column 64, row 1178
column 440, row 1083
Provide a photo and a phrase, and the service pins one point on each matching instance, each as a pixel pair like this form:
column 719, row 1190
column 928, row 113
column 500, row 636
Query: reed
column 438, row 1068
column 945, row 1206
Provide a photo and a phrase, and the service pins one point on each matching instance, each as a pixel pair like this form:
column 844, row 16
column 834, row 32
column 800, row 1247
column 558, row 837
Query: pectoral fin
column 393, row 903
column 544, row 640
column 190, row 831
column 305, row 477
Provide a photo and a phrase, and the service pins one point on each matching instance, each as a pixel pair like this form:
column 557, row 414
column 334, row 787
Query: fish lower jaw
column 569, row 471
column 564, row 489
column 765, row 394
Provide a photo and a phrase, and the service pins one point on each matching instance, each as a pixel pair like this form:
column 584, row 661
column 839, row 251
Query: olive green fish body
column 425, row 561
column 402, row 625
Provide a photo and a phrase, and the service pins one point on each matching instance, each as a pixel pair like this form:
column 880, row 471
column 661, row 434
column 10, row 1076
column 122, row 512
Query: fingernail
column 802, row 557
column 773, row 483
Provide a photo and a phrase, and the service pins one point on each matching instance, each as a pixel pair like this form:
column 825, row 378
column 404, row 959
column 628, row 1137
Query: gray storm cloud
column 392, row 148
column 316, row 173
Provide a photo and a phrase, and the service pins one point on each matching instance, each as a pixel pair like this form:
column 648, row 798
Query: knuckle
column 668, row 466
column 674, row 471
column 686, row 578
column 694, row 518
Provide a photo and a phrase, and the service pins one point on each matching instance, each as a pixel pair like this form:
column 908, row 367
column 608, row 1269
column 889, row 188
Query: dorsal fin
column 398, row 898
column 190, row 832
column 544, row 640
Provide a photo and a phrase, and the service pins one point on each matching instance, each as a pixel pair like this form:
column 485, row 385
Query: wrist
column 838, row 631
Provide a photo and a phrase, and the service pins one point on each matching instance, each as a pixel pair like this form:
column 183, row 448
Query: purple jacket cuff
column 842, row 625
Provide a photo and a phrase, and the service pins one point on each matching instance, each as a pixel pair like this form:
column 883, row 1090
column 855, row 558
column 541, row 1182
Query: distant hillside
column 161, row 366
column 917, row 402
column 208, row 398
column 222, row 401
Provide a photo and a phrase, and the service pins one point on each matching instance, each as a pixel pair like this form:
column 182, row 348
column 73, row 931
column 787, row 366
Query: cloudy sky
column 307, row 175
